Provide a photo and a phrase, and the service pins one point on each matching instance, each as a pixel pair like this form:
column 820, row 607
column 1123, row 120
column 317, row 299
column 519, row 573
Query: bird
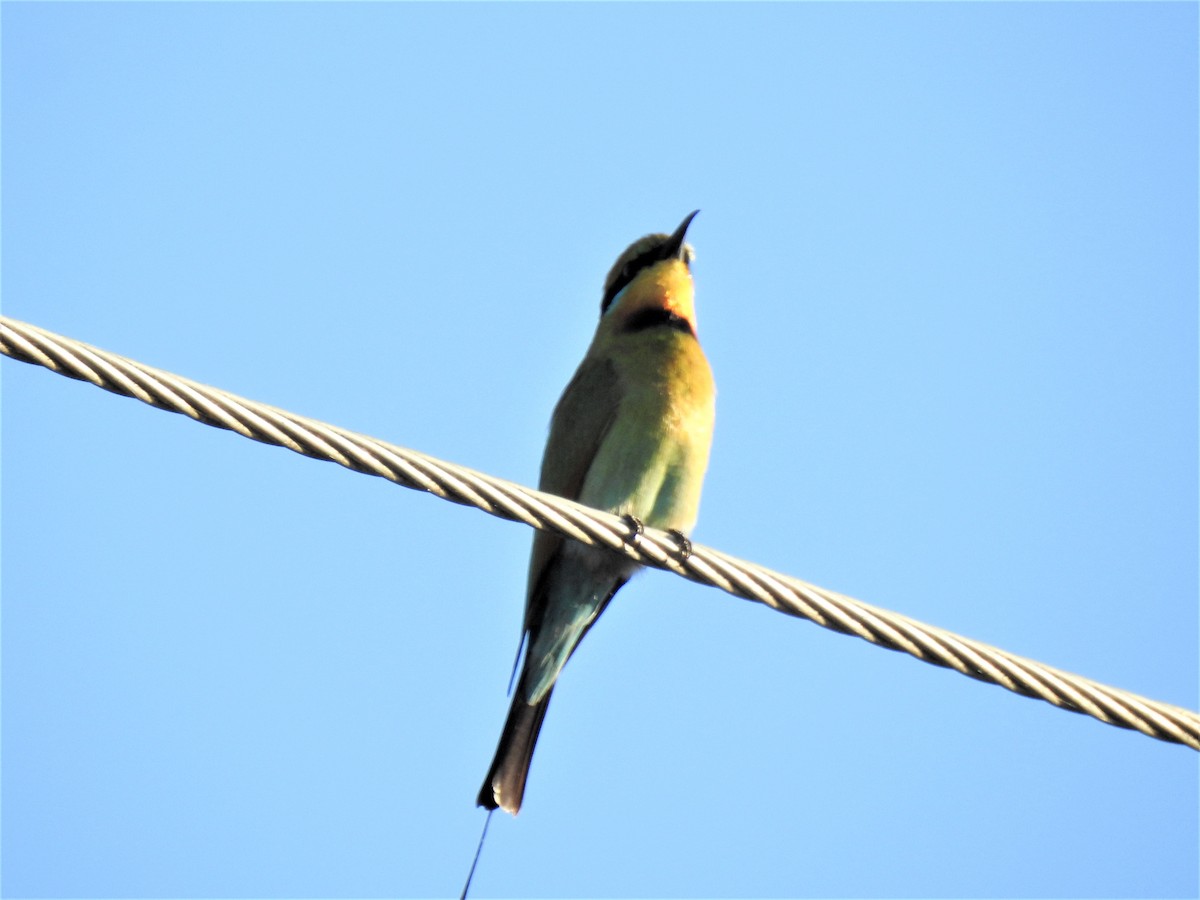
column 630, row 435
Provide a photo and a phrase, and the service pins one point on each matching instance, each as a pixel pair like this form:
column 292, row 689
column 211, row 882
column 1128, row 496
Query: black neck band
column 656, row 317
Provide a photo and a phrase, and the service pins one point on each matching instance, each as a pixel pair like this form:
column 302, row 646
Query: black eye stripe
column 643, row 260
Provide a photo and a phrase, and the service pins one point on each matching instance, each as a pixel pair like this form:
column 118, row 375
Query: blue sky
column 947, row 279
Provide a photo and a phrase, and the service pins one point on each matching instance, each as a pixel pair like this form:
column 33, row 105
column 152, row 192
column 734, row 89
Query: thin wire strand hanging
column 507, row 500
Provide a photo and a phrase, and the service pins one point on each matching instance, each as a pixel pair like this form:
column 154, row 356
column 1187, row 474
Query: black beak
column 675, row 242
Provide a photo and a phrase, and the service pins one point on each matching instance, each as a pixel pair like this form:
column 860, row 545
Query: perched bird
column 630, row 435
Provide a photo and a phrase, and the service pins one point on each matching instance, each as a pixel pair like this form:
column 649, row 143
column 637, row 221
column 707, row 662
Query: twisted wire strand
column 547, row 512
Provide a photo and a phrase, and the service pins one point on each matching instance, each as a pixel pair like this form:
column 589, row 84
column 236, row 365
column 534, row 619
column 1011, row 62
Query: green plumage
column 630, row 435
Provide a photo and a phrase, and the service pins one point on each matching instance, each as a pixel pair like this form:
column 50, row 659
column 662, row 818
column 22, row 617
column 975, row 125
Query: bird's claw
column 682, row 542
column 636, row 528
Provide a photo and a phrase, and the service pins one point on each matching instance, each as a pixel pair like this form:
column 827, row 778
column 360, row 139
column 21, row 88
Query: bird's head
column 654, row 272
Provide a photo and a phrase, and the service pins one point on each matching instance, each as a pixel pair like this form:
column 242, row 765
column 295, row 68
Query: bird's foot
column 682, row 542
column 636, row 528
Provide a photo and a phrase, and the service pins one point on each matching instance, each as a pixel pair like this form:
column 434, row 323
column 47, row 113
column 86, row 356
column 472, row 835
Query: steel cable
column 505, row 499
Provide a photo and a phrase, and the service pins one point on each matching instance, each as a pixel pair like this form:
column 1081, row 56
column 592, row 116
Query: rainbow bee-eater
column 630, row 435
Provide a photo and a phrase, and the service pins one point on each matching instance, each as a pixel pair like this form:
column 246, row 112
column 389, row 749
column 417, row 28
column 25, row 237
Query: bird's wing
column 581, row 420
